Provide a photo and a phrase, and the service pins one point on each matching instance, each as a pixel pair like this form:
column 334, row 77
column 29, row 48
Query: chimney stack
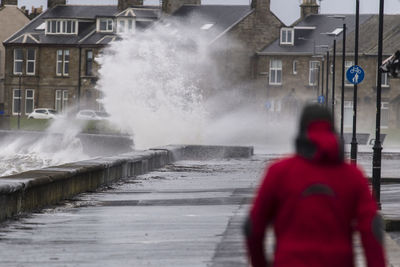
column 261, row 5
column 53, row 3
column 124, row 4
column 170, row 6
column 9, row 2
column 309, row 7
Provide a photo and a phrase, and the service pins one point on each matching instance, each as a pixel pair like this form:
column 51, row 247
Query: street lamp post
column 333, row 77
column 353, row 152
column 19, row 100
column 343, row 70
column 376, row 162
column 327, row 78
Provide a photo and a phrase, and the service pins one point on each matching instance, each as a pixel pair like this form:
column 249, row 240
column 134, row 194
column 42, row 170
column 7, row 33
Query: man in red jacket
column 315, row 202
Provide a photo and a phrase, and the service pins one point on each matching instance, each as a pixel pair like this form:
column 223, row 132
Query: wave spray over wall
column 163, row 87
column 149, row 82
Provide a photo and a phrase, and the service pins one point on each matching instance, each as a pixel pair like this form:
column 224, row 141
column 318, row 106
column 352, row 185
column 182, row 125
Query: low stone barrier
column 27, row 191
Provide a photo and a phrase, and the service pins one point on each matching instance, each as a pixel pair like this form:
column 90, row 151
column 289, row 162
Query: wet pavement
column 181, row 215
column 186, row 214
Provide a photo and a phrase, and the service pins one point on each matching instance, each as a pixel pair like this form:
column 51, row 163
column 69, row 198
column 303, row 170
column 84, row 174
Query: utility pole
column 376, row 161
column 353, row 152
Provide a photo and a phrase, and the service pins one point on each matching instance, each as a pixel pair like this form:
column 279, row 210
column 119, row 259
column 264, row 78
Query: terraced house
column 292, row 70
column 50, row 62
column 11, row 19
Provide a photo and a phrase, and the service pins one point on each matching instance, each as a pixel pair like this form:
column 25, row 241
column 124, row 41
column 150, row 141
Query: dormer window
column 61, row 26
column 126, row 25
column 287, row 36
column 105, row 25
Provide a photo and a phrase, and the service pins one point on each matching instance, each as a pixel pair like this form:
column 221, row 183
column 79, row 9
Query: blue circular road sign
column 355, row 74
column 321, row 99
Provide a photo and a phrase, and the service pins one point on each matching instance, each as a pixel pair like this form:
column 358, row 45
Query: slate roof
column 87, row 34
column 368, row 35
column 222, row 17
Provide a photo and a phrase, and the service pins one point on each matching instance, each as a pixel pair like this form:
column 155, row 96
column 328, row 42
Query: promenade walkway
column 187, row 214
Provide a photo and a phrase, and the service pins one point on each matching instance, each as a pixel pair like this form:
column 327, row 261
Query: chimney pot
column 124, row 4
column 53, row 3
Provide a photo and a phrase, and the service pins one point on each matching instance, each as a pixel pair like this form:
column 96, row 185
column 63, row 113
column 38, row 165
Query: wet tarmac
column 186, row 214
column 182, row 215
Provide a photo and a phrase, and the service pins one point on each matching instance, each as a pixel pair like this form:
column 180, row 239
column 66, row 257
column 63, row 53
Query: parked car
column 43, row 113
column 88, row 114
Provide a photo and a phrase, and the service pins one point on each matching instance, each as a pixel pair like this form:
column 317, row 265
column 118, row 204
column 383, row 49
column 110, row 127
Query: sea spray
column 57, row 145
column 150, row 85
column 163, row 86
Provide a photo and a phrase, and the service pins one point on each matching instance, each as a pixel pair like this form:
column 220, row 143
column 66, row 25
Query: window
column 16, row 109
column 348, row 114
column 121, row 27
column 30, row 62
column 348, row 64
column 62, row 64
column 105, row 25
column 385, row 80
column 61, row 27
column 89, row 63
column 126, row 25
column 287, row 36
column 61, row 100
column 275, row 72
column 294, row 67
column 384, row 114
column 18, row 60
column 64, row 100
column 29, row 100
column 313, row 73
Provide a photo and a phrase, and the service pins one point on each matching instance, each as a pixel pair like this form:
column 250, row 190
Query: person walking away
column 316, row 202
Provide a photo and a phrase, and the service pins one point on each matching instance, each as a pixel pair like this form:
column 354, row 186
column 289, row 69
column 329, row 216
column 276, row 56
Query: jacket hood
column 317, row 140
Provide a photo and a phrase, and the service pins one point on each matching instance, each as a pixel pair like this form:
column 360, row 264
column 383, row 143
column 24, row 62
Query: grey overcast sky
column 287, row 10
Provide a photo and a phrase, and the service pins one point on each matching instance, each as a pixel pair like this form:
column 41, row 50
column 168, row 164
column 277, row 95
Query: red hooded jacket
column 315, row 201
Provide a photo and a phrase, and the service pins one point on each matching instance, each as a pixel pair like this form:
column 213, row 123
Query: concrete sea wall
column 27, row 191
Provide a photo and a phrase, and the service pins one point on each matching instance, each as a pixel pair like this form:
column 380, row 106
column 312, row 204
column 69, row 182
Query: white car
column 43, row 113
column 88, row 114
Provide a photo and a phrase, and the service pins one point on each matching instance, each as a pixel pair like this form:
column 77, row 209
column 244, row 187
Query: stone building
column 11, row 20
column 50, row 62
column 52, row 57
column 292, row 70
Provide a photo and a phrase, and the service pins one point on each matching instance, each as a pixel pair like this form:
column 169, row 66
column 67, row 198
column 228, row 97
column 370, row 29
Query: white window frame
column 385, row 80
column 313, row 70
column 29, row 99
column 64, row 101
column 58, row 100
column 62, row 62
column 109, row 21
column 66, row 61
column 384, row 114
column 285, row 40
column 125, row 28
column 61, row 100
column 61, row 26
column 348, row 105
column 273, row 72
column 30, row 61
column 348, row 64
column 295, row 63
column 21, row 61
column 15, row 98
